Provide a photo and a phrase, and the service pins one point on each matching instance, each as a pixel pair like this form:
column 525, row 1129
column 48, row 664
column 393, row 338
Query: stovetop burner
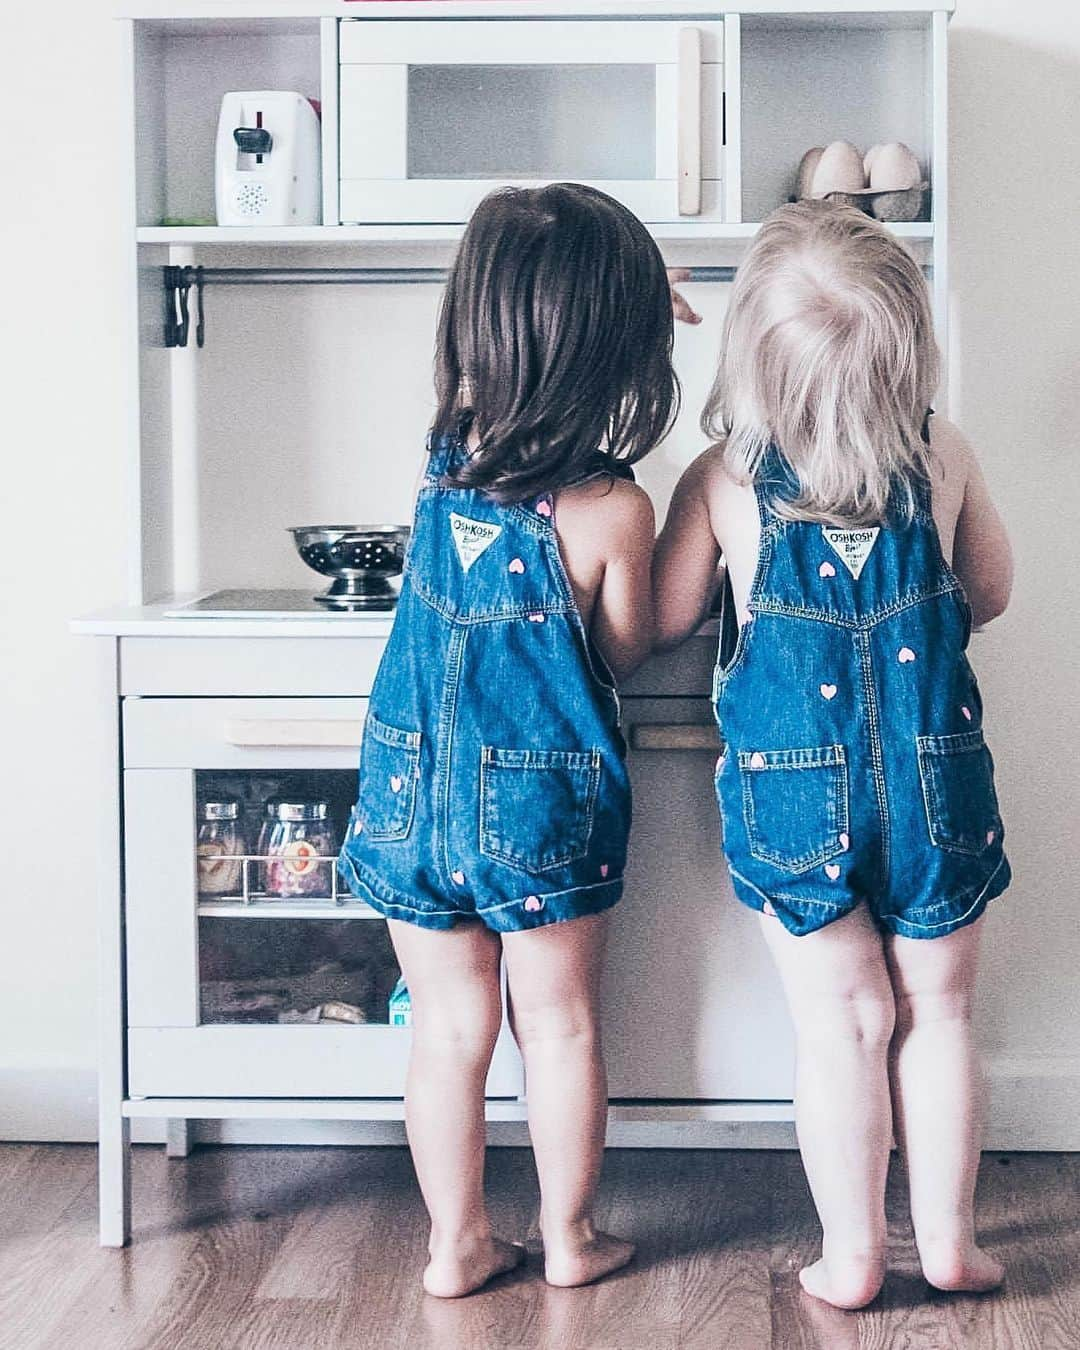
column 285, row 604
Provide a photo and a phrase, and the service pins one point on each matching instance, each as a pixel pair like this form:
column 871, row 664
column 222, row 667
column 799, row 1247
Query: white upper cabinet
column 434, row 115
column 697, row 120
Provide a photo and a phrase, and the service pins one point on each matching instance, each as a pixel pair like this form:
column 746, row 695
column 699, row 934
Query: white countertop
column 154, row 621
column 136, row 621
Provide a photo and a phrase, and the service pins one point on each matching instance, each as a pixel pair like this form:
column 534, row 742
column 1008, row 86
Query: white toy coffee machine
column 267, row 161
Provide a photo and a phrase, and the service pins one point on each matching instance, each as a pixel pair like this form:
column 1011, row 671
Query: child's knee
column 565, row 1024
column 872, row 1019
column 865, row 1019
column 929, row 1007
column 461, row 1032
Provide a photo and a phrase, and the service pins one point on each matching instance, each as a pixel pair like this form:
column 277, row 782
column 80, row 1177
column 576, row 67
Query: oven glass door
column 250, row 971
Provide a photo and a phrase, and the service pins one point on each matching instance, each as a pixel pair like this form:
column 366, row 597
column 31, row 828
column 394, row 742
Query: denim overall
column 492, row 774
column 856, row 768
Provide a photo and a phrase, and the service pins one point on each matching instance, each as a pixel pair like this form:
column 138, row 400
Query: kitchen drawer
column 338, row 667
column 243, row 733
column 257, row 666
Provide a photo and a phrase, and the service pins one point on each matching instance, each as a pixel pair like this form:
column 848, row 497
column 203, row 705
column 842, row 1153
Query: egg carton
column 895, row 206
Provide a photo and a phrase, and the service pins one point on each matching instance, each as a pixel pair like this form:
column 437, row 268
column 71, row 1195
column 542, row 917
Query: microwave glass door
column 526, row 122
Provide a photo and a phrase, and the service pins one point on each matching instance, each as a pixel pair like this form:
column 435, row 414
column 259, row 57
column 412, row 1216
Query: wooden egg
column 892, row 168
column 840, row 169
column 807, row 166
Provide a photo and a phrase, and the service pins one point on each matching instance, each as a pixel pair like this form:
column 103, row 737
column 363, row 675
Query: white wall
column 61, row 429
column 1016, row 386
column 1015, row 380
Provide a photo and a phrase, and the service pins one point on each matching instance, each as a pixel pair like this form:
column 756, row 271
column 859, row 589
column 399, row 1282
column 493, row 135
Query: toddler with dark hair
column 494, row 805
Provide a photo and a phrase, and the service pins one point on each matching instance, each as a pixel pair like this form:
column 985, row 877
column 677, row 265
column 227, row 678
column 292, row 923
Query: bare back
column 713, row 516
column 606, row 528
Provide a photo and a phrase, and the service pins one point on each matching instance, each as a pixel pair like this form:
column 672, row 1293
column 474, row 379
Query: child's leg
column 554, row 978
column 453, row 980
column 837, row 986
column 935, row 1092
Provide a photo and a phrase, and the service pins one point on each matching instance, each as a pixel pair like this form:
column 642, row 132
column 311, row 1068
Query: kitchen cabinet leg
column 114, row 1182
column 114, row 1128
column 177, row 1138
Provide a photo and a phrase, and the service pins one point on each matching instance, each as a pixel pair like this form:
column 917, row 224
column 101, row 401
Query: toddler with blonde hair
column 857, row 791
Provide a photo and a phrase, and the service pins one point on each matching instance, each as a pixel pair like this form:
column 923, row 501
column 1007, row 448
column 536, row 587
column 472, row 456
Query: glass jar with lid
column 300, row 848
column 220, row 847
column 262, row 843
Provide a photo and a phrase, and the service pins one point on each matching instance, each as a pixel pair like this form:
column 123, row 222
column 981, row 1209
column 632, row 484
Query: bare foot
column 850, row 1282
column 570, row 1265
column 960, row 1269
column 465, row 1268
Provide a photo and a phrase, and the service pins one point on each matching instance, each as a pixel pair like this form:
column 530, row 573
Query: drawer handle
column 326, row 734
column 675, row 736
column 689, row 122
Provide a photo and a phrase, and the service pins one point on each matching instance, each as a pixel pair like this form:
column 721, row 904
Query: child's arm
column 622, row 619
column 982, row 554
column 686, row 558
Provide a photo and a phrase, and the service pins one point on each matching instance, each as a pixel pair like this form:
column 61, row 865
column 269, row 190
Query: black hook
column 176, row 311
column 200, row 315
column 178, row 282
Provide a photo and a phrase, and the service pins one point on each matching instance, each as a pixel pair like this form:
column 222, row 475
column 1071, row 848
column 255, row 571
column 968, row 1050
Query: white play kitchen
column 302, row 170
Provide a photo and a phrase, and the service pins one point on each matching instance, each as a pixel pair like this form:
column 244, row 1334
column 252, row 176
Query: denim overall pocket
column 795, row 805
column 389, row 769
column 957, row 777
column 536, row 806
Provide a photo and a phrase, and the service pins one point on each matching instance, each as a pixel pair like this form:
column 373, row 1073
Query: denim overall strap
column 444, row 452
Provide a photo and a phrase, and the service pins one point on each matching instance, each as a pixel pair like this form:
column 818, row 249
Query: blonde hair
column 828, row 353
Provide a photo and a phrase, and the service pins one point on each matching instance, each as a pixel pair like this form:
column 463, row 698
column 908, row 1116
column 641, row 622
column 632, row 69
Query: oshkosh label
column 852, row 546
column 471, row 537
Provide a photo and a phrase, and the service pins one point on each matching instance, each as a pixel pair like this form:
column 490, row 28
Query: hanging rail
column 178, row 283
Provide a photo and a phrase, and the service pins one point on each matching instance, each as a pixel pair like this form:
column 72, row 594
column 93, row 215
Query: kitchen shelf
column 204, row 235
column 233, row 15
column 283, row 909
column 390, row 234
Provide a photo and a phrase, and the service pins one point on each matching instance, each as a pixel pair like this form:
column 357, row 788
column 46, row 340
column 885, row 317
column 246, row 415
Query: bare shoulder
column 707, row 480
column 613, row 511
column 952, row 466
column 953, row 452
column 727, row 496
column 708, row 472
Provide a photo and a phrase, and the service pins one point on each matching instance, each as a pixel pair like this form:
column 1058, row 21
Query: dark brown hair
column 554, row 340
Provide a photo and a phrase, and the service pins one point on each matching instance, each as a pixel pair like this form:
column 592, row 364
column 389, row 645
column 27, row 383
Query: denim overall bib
column 856, row 769
column 492, row 776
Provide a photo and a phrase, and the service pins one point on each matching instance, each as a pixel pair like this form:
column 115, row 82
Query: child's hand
column 679, row 304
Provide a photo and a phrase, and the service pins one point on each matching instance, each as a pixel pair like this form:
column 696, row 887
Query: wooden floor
column 322, row 1248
